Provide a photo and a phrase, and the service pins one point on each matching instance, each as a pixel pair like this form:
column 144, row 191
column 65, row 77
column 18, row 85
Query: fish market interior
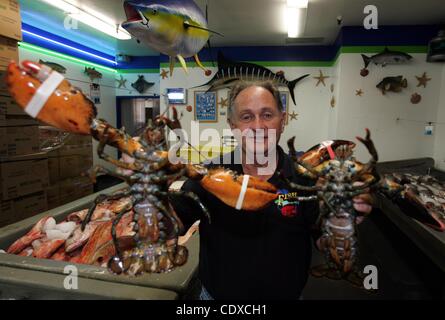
column 96, row 94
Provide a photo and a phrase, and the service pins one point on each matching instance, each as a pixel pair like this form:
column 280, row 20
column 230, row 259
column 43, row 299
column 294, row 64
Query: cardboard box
column 10, row 19
column 22, row 177
column 24, row 207
column 53, row 170
column 78, row 140
column 3, row 87
column 12, row 115
column 19, row 141
column 64, row 167
column 53, row 196
column 75, row 188
column 9, row 50
column 71, row 150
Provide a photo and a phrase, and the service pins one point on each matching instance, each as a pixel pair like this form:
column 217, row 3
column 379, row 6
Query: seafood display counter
column 31, row 278
column 428, row 240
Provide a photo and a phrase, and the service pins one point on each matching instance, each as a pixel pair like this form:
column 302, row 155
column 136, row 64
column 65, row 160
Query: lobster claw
column 239, row 191
column 47, row 96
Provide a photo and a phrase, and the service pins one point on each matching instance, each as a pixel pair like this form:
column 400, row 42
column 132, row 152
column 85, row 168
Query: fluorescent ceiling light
column 295, row 20
column 295, row 17
column 69, row 47
column 297, row 3
column 91, row 18
column 63, row 56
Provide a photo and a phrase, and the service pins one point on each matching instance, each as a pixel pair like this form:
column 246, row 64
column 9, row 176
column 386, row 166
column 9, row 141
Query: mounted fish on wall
column 231, row 71
column 176, row 28
column 55, row 66
column 394, row 84
column 92, row 73
column 384, row 58
column 142, row 85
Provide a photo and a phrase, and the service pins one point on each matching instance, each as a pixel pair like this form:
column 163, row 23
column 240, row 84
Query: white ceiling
column 260, row 22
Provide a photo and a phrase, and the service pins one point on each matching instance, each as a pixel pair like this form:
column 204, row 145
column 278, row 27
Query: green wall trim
column 153, row 70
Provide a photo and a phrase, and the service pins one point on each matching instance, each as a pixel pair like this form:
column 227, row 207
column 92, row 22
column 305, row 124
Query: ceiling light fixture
column 296, row 11
column 38, row 49
column 91, row 18
column 69, row 47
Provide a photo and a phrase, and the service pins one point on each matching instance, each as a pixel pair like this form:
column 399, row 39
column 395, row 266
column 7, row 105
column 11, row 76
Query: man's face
column 256, row 115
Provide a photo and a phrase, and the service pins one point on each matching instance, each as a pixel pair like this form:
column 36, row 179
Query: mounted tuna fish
column 231, row 71
column 176, row 28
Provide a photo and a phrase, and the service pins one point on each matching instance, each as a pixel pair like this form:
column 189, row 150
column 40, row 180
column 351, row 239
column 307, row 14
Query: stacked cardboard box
column 68, row 171
column 23, row 180
column 23, row 169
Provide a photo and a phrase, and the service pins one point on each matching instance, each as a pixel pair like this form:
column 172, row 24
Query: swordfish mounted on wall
column 231, row 71
column 176, row 28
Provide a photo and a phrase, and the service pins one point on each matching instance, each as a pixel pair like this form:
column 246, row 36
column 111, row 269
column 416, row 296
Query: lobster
column 45, row 94
column 339, row 178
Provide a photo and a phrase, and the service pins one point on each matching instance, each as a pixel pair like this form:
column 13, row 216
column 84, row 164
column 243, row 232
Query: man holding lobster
column 264, row 254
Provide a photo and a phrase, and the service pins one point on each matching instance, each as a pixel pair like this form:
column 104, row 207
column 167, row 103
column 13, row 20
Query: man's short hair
column 241, row 85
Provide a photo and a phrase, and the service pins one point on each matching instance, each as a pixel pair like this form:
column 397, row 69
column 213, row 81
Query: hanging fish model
column 231, row 71
column 176, row 28
column 141, row 85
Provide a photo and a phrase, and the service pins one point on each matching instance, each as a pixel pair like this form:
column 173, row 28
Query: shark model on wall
column 176, row 28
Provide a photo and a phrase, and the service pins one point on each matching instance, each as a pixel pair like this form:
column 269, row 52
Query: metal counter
column 28, row 277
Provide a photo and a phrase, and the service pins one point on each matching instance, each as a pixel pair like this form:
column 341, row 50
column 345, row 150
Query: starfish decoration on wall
column 223, row 102
column 293, row 115
column 164, row 73
column 320, row 79
column 423, row 80
column 359, row 92
column 122, row 82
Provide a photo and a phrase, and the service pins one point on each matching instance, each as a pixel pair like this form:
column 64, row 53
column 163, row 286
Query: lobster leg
column 94, row 171
column 103, row 140
column 176, row 253
column 115, row 223
column 100, row 198
column 308, row 168
column 194, row 197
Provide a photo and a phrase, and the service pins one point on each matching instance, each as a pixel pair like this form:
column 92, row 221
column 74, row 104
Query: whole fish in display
column 387, row 57
column 55, row 66
column 141, row 85
column 93, row 73
column 394, row 84
column 176, row 28
column 422, row 197
column 231, row 71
